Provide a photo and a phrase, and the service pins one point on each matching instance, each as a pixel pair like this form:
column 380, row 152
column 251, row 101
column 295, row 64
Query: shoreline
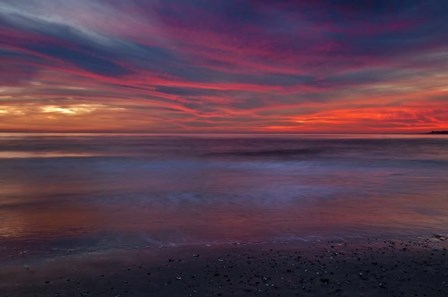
column 18, row 252
column 363, row 267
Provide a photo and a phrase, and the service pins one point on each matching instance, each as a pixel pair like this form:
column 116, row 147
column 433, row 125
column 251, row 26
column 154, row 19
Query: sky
column 223, row 66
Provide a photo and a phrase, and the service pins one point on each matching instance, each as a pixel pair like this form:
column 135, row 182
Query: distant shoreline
column 439, row 132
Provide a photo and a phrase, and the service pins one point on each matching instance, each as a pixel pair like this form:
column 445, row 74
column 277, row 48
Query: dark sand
column 411, row 267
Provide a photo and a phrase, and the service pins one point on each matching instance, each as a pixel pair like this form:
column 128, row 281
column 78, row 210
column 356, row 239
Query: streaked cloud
column 223, row 66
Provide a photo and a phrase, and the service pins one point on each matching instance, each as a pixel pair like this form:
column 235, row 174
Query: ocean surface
column 67, row 193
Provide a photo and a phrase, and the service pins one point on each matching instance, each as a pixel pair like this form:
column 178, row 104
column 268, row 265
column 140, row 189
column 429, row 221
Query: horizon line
column 219, row 133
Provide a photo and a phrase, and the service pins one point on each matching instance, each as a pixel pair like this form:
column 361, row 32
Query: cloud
column 231, row 66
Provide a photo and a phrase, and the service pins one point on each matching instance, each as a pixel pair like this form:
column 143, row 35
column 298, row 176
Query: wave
column 47, row 154
column 270, row 153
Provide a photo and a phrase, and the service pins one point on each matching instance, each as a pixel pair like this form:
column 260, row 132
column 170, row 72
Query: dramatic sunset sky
column 223, row 66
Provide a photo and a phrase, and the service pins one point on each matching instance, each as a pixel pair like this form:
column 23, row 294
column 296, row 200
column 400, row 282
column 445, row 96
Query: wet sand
column 373, row 267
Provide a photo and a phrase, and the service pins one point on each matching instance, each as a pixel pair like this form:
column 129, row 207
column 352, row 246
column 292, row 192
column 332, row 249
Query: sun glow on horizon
column 71, row 109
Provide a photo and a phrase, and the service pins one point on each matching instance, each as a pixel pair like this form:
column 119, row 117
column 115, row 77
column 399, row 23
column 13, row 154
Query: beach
column 373, row 267
column 223, row 148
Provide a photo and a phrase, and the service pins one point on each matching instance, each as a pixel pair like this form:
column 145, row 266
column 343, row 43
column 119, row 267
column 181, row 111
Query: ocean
column 74, row 193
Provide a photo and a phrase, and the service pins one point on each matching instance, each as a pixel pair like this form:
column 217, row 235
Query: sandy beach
column 368, row 267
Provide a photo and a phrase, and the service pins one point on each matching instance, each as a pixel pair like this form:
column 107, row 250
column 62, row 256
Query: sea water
column 84, row 192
